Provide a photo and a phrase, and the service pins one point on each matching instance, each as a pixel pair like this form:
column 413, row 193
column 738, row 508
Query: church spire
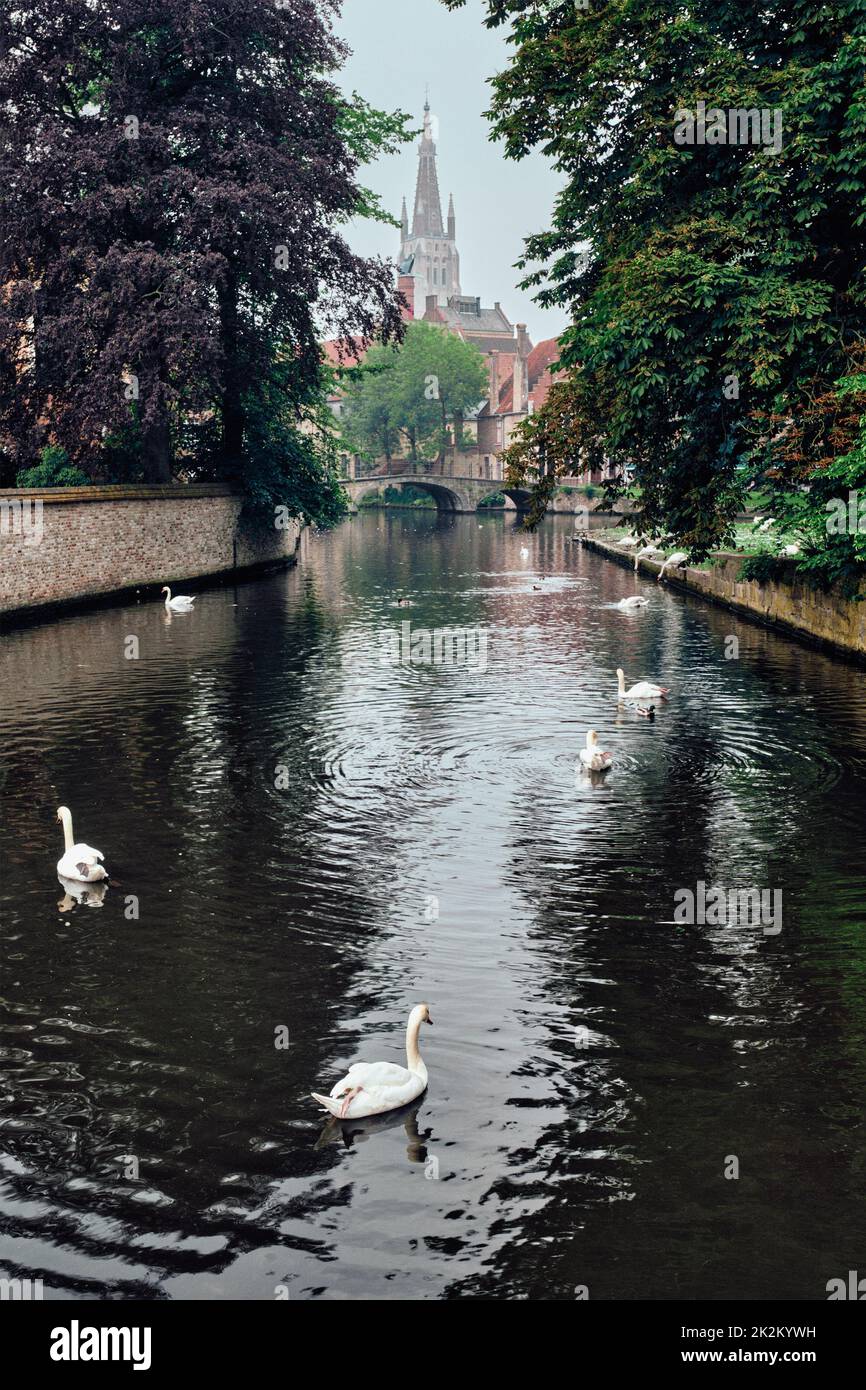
column 429, row 253
column 427, row 220
column 452, row 226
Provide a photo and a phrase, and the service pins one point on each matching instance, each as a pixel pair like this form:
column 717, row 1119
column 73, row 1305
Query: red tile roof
column 344, row 352
column 540, row 377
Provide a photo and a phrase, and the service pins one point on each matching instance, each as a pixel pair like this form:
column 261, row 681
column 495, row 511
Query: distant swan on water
column 79, row 862
column 370, row 1088
column 593, row 757
column 182, row 603
column 642, row 690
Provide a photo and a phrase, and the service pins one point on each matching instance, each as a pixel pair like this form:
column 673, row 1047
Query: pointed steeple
column 429, row 253
column 427, row 220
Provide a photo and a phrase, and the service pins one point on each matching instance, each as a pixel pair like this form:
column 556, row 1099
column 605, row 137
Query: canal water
column 307, row 835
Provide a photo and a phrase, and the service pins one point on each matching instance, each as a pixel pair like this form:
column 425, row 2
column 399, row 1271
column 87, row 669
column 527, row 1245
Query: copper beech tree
column 175, row 179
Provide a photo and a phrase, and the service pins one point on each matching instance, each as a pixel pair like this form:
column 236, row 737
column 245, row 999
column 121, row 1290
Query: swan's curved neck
column 68, row 841
column 621, row 679
column 413, row 1056
column 167, row 594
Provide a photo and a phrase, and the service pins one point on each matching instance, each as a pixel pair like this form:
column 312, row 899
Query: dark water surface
column 594, row 1065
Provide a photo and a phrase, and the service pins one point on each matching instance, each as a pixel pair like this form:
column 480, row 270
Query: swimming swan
column 181, row 604
column 370, row 1088
column 79, row 862
column 592, row 756
column 642, row 690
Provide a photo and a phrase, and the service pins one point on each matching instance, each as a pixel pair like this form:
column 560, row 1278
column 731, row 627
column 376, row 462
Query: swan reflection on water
column 78, row 894
column 350, row 1132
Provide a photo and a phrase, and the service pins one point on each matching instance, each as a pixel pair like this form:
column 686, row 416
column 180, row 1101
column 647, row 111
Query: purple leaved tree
column 175, row 179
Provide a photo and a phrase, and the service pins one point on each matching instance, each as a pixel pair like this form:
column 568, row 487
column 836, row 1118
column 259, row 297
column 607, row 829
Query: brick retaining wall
column 821, row 617
column 88, row 541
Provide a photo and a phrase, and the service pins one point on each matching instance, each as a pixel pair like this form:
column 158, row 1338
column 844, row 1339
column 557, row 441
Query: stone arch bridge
column 451, row 494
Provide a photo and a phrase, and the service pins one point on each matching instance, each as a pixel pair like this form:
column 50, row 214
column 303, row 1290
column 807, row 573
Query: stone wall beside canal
column 789, row 603
column 82, row 543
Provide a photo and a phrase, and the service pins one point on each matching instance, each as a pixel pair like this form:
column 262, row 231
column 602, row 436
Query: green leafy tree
column 410, row 393
column 714, row 289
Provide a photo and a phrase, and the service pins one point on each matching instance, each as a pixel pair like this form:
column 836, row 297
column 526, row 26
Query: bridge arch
column 450, row 493
column 447, row 497
column 518, row 495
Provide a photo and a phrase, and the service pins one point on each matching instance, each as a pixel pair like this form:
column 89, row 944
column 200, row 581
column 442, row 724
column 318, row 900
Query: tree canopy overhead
column 715, row 290
column 176, row 179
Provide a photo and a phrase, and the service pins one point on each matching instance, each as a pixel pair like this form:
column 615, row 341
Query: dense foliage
column 176, row 178
column 406, row 396
column 715, row 290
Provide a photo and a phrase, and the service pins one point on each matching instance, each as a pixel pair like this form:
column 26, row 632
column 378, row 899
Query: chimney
column 493, row 379
column 521, row 371
column 406, row 286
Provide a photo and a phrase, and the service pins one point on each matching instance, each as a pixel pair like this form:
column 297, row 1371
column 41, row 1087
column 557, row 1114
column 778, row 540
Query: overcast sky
column 398, row 48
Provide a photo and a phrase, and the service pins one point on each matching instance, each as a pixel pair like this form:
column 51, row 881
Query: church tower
column 432, row 242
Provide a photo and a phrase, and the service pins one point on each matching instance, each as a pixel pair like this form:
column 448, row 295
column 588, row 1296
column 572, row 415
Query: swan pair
column 371, row 1088
column 181, row 603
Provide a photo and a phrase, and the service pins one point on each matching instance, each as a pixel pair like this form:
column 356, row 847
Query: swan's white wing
column 643, row 690
column 82, row 862
column 86, row 854
column 369, row 1074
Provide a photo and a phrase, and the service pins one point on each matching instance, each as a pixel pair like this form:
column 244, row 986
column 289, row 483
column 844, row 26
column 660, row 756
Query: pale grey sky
column 401, row 46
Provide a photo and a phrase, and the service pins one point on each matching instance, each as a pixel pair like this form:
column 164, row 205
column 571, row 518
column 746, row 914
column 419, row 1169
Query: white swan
column 635, row 601
column 790, row 550
column 181, row 604
column 765, row 526
column 79, row 862
column 627, row 539
column 524, row 553
column 647, row 552
column 370, row 1088
column 642, row 690
column 678, row 560
column 592, row 756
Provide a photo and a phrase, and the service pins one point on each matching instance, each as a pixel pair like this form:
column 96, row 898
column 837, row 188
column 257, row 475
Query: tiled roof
column 352, row 351
column 475, row 321
column 540, row 377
